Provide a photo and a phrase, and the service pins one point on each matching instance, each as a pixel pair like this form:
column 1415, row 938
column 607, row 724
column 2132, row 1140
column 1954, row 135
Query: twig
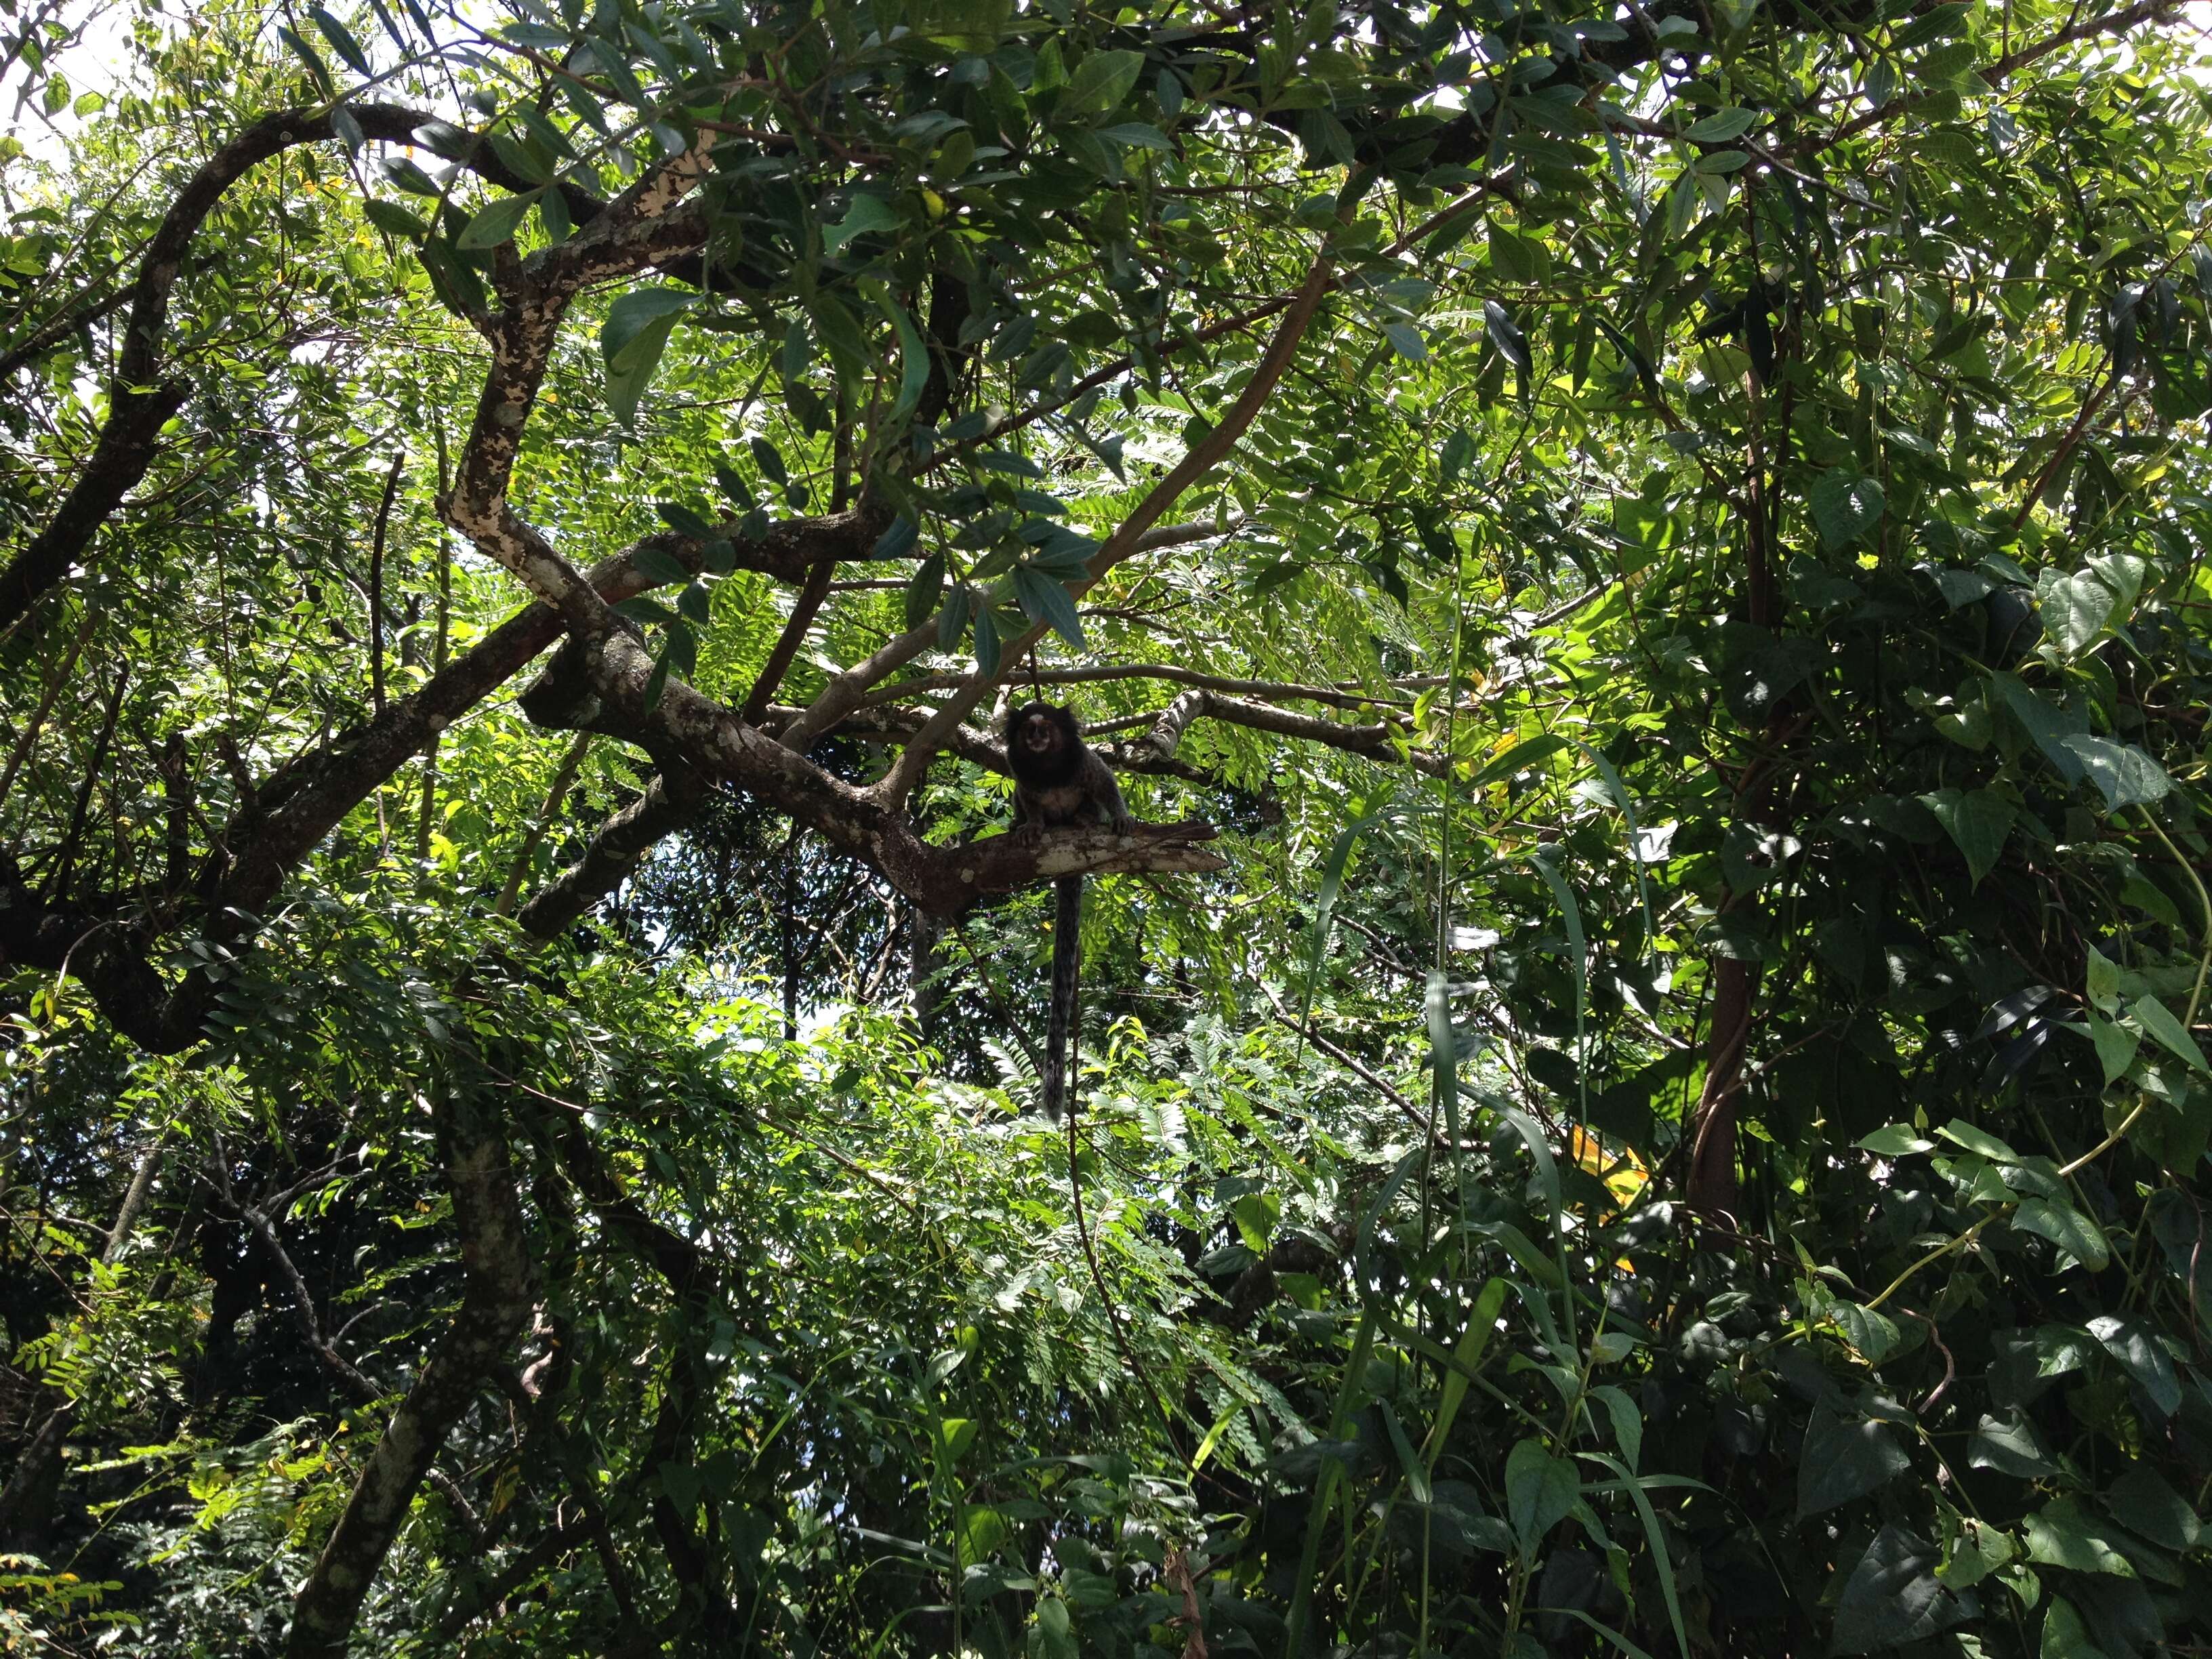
column 1284, row 1017
column 563, row 777
column 376, row 584
column 61, row 674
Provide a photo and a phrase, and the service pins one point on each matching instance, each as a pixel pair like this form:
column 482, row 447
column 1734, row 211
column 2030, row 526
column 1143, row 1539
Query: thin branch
column 1200, row 460
column 563, row 775
column 376, row 583
column 803, row 612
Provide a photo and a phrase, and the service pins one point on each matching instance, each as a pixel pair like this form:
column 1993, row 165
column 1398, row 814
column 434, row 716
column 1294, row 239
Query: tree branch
column 1202, row 458
column 494, row 1305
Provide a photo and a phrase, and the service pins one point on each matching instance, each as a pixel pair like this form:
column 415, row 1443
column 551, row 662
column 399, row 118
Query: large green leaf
column 1893, row 1598
column 2063, row 1534
column 1101, row 81
column 1844, row 1458
column 636, row 330
column 1540, row 1489
column 1846, row 506
column 1978, row 821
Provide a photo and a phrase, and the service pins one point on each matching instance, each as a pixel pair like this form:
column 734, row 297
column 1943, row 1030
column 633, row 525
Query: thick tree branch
column 140, row 401
column 494, row 1305
column 670, row 802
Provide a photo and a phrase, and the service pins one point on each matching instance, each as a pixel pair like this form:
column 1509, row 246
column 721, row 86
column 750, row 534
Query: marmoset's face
column 1038, row 734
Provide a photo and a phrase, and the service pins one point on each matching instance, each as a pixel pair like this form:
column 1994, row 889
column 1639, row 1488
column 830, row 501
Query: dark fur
column 1059, row 780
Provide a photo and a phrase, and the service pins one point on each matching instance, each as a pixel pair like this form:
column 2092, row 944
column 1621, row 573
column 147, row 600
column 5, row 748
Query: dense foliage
column 1641, row 1091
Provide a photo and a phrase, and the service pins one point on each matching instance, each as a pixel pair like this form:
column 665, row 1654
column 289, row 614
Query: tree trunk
column 1711, row 1186
column 494, row 1304
column 924, row 969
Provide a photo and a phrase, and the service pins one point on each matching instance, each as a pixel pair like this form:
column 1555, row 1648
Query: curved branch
column 141, row 403
column 2118, row 22
column 670, row 802
column 1202, row 458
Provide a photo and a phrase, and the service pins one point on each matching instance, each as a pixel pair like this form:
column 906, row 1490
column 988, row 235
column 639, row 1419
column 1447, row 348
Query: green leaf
column 2149, row 1508
column 2142, row 1357
column 1056, row 1630
column 1101, row 81
column 2066, row 1227
column 1973, row 1550
column 1540, row 1490
column 1846, row 506
column 1978, row 821
column 955, row 1434
column 2065, row 1635
column 684, row 520
column 1957, row 586
column 318, row 70
column 770, row 459
column 1933, row 25
column 1473, row 1339
column 1136, row 135
column 2009, row 1445
column 394, row 219
column 1627, row 1421
column 1505, row 334
column 2047, row 725
column 952, row 620
column 2158, row 1024
column 1897, row 1140
column 341, row 40
column 1047, row 600
column 455, row 281
column 986, row 641
column 1406, row 340
column 865, row 214
column 637, row 328
column 1977, row 1140
column 2117, row 1046
column 634, row 315
column 1719, row 129
column 495, row 222
column 640, row 608
column 923, row 590
column 914, row 357
column 2123, row 774
column 2074, row 609
column 1844, row 1459
column 659, row 565
column 2062, row 1535
column 2101, row 983
column 409, row 177
column 1416, row 1476
column 1893, row 1597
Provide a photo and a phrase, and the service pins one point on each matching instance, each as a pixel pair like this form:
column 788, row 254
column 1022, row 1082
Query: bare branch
column 1202, row 459
column 140, row 402
column 1335, row 697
